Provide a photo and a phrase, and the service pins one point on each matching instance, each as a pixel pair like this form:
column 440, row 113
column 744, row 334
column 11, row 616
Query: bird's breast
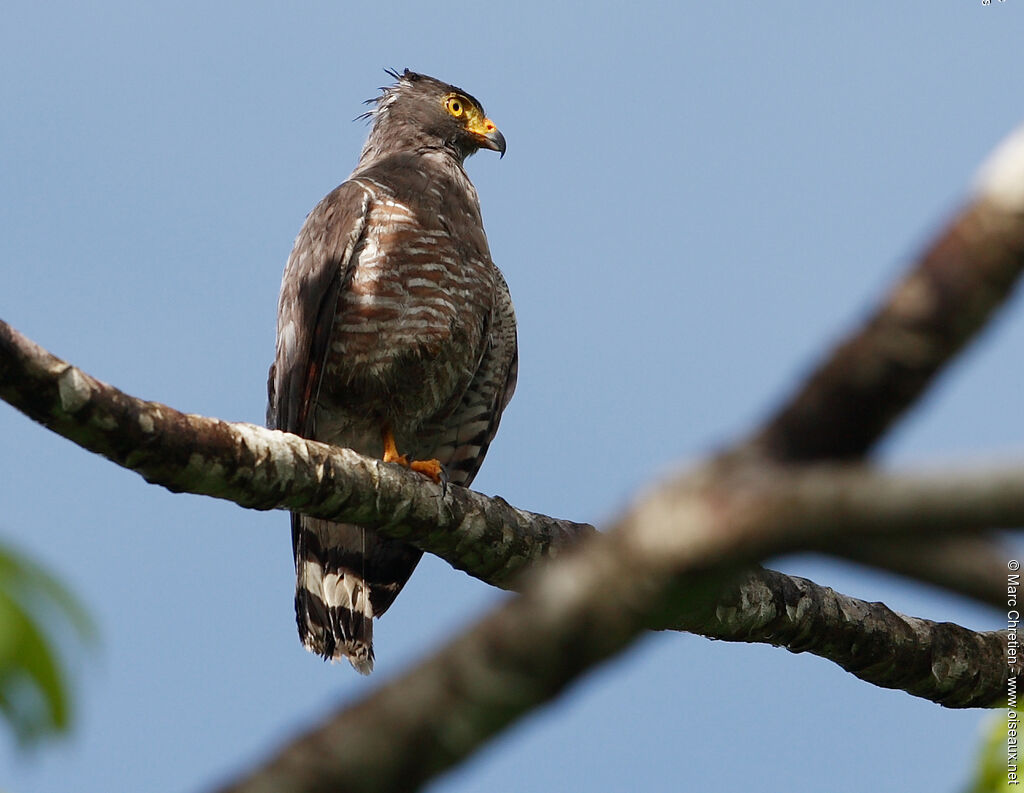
column 409, row 321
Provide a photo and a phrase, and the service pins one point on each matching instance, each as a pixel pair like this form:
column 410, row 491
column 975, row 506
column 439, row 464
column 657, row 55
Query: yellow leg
column 391, row 454
column 429, row 468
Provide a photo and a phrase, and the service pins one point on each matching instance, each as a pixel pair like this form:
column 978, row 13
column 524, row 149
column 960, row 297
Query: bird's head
column 419, row 111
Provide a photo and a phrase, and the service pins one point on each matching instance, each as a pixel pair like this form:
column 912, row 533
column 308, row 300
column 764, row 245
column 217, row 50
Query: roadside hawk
column 396, row 337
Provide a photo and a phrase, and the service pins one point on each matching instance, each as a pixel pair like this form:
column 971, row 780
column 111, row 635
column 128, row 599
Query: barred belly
column 402, row 348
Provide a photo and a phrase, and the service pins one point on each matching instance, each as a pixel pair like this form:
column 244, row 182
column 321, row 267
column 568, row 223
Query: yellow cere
column 459, row 106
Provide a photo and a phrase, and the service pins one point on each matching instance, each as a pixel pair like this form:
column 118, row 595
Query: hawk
column 396, row 337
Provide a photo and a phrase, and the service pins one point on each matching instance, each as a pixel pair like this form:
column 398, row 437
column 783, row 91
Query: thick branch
column 264, row 469
column 729, row 515
column 391, row 741
column 939, row 661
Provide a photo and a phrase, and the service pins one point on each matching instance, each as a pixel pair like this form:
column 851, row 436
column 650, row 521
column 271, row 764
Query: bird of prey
column 396, row 337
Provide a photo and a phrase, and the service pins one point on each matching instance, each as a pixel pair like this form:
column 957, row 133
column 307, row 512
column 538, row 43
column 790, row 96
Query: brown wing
column 339, row 568
column 315, row 272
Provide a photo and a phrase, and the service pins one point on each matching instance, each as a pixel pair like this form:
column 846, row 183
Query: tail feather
column 334, row 616
column 345, row 576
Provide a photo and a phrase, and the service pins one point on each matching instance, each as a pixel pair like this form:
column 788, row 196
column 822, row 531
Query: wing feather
column 469, row 430
column 316, row 271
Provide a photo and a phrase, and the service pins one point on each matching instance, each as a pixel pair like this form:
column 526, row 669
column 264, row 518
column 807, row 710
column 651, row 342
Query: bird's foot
column 429, row 468
column 401, row 459
column 432, row 469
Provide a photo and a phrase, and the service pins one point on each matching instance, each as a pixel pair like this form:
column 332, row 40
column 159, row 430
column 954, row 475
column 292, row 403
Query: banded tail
column 345, row 576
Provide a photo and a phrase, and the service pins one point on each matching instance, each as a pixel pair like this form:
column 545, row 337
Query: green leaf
column 24, row 574
column 36, row 614
column 992, row 769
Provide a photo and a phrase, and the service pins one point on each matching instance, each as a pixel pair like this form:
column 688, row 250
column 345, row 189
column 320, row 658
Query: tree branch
column 938, row 661
column 489, row 539
column 879, row 371
column 872, row 377
column 266, row 469
column 683, row 550
column 971, row 566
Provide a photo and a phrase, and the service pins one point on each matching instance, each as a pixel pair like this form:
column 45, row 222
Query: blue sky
column 697, row 199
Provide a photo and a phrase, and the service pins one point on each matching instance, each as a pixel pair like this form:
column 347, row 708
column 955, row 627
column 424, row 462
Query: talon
column 429, row 468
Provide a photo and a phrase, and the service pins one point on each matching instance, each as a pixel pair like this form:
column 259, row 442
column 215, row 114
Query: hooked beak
column 489, row 137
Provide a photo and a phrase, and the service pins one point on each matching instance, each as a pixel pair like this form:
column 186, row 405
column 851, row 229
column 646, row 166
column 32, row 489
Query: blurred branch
column 873, row 376
column 677, row 553
column 971, row 566
column 862, row 386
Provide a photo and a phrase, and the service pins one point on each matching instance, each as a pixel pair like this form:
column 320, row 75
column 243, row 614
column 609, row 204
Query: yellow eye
column 455, row 106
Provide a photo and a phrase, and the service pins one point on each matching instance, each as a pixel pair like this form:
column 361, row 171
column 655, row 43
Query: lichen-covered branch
column 939, row 661
column 267, row 469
